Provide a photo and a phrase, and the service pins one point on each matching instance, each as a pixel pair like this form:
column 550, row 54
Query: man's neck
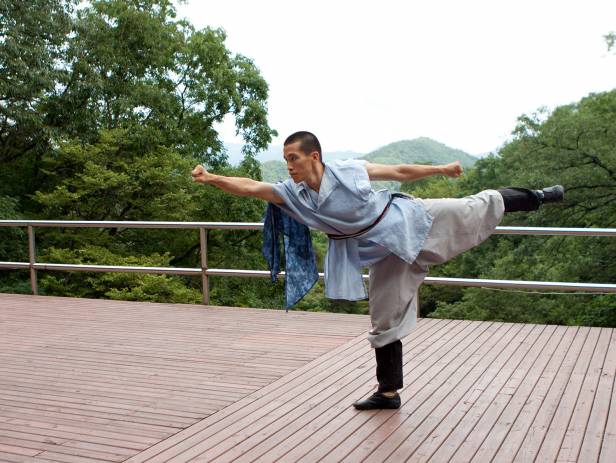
column 314, row 180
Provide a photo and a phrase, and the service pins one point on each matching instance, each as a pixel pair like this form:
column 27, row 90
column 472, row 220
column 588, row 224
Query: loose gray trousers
column 459, row 224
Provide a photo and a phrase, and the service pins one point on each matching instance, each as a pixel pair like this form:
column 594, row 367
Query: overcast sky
column 362, row 74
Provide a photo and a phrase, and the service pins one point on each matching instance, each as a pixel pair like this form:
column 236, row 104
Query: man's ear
column 315, row 155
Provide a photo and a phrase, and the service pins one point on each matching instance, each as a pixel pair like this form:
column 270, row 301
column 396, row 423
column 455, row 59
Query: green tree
column 132, row 63
column 123, row 100
column 119, row 64
column 573, row 146
column 32, row 39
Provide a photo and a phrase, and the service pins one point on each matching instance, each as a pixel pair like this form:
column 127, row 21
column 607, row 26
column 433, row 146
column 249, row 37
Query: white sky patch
column 362, row 74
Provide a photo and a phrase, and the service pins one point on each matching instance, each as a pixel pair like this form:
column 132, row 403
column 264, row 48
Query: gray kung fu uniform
column 459, row 224
column 412, row 235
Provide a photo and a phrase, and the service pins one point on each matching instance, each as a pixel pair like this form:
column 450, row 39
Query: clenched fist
column 200, row 175
column 453, row 169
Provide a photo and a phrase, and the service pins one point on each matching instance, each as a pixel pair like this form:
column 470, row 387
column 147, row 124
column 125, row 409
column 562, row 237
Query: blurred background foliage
column 105, row 107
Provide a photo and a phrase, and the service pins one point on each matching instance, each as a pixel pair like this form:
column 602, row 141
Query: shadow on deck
column 100, row 381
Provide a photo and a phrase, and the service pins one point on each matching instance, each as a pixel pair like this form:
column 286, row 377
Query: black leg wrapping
column 520, row 199
column 389, row 366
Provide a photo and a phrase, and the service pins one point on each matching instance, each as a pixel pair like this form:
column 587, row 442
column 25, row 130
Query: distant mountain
column 274, row 171
column 421, row 150
column 274, row 153
column 418, row 151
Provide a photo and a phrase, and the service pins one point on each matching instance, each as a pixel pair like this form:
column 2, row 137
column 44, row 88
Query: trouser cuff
column 520, row 199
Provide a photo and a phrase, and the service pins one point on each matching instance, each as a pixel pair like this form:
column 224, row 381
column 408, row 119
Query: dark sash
column 373, row 224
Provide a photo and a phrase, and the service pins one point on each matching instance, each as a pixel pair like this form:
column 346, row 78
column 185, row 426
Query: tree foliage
column 105, row 107
column 574, row 146
column 104, row 110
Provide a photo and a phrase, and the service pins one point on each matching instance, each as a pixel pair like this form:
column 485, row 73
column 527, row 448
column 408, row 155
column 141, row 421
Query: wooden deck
column 100, row 381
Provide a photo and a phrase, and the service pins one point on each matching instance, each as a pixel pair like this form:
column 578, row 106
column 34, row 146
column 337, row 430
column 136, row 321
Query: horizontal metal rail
column 206, row 272
column 477, row 282
column 132, row 224
column 259, row 226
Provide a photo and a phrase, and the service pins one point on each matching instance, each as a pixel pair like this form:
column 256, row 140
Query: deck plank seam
column 255, row 394
column 610, row 408
column 577, row 395
column 465, row 414
column 369, row 359
column 539, row 375
column 438, row 351
column 541, row 407
column 538, row 356
column 486, row 345
column 469, row 374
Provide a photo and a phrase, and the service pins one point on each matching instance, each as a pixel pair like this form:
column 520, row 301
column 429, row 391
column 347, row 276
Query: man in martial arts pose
column 397, row 236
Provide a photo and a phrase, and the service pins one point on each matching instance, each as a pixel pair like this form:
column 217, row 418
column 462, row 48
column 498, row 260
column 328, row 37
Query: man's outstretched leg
column 459, row 224
column 463, row 223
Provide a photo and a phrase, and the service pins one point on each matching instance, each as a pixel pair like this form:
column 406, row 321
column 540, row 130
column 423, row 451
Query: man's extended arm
column 410, row 172
column 240, row 186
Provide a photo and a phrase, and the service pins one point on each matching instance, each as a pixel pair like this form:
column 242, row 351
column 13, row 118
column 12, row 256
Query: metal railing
column 206, row 272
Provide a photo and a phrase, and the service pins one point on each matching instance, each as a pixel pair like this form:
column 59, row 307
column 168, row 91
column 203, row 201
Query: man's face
column 299, row 164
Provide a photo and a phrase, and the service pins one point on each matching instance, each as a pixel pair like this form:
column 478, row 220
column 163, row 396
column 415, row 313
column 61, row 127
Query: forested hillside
column 418, row 151
column 575, row 146
column 106, row 108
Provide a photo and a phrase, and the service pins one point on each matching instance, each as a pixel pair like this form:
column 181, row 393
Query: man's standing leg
column 393, row 314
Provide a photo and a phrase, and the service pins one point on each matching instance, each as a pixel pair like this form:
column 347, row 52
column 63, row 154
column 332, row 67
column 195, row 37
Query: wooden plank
column 285, row 390
column 556, row 432
column 59, row 436
column 516, row 394
column 608, row 441
column 596, row 429
column 120, row 394
column 6, row 457
column 105, row 404
column 474, row 406
column 68, row 448
column 163, row 381
column 65, row 458
column 419, row 352
column 18, row 450
column 571, row 443
column 42, row 417
column 89, row 371
column 463, row 371
column 551, row 405
column 334, row 396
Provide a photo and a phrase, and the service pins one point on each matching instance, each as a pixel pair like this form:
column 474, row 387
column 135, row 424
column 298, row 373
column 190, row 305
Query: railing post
column 417, row 301
column 205, row 284
column 32, row 259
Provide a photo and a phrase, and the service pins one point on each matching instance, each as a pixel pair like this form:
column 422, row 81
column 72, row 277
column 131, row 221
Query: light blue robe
column 345, row 204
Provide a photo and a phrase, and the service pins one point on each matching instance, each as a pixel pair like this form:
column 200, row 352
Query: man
column 397, row 236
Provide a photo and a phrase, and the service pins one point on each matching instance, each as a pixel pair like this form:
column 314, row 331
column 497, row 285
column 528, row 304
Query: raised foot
column 552, row 194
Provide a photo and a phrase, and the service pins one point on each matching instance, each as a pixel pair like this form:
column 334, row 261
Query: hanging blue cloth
column 300, row 267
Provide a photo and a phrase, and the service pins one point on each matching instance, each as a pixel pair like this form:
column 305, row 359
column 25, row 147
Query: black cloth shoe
column 552, row 194
column 378, row 400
